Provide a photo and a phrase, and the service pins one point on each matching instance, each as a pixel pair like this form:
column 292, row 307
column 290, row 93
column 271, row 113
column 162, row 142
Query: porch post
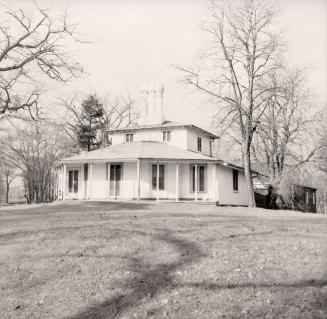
column 86, row 177
column 138, row 173
column 64, row 182
column 61, row 178
column 90, row 182
column 108, row 182
column 177, row 181
column 115, row 181
column 58, row 181
column 59, row 184
column 157, row 181
column 196, row 182
column 214, row 182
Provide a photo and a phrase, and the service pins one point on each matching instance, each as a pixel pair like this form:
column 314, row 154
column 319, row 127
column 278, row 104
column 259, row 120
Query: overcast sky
column 136, row 42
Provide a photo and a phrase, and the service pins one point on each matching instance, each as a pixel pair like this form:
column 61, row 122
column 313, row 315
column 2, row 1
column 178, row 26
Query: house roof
column 164, row 125
column 139, row 150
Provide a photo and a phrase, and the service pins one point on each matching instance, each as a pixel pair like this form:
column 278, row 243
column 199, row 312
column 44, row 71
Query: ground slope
column 127, row 260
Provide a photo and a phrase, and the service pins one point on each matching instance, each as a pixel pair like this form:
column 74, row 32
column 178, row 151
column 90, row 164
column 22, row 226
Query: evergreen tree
column 91, row 123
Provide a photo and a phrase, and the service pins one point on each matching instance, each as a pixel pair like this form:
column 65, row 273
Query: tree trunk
column 248, row 175
column 7, row 193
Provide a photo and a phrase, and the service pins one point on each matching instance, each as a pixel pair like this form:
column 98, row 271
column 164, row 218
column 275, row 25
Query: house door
column 73, row 182
column 115, row 180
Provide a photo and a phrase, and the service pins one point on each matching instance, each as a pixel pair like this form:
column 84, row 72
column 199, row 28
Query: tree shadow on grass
column 149, row 280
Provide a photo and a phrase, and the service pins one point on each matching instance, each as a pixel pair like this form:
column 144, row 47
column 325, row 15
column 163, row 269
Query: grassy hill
column 168, row 260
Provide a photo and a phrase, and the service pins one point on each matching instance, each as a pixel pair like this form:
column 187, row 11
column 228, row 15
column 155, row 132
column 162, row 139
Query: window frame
column 166, row 136
column 235, row 180
column 129, row 137
column 73, row 184
column 199, row 144
column 161, row 176
column 205, row 178
column 210, row 147
column 86, row 172
column 307, row 200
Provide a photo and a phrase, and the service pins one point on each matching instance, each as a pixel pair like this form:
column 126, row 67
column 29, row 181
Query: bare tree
column 322, row 152
column 244, row 50
column 31, row 45
column 8, row 174
column 285, row 134
column 34, row 151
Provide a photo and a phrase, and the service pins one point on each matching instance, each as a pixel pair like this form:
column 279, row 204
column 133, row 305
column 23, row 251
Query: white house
column 156, row 159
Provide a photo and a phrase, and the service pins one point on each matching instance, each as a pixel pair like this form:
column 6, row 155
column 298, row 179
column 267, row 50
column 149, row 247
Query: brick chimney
column 159, row 116
column 151, row 105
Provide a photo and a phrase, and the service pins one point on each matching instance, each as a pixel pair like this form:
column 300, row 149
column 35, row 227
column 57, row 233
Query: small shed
column 304, row 197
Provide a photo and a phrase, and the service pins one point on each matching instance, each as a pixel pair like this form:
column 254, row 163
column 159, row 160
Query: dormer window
column 166, row 136
column 199, row 144
column 129, row 137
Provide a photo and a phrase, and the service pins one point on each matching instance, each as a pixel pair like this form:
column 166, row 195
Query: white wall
column 178, row 137
column 219, row 183
column 227, row 196
column 128, row 184
column 192, row 142
column 118, row 139
column 98, row 181
column 145, row 177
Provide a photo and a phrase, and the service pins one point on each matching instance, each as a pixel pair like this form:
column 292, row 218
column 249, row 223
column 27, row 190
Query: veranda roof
column 130, row 151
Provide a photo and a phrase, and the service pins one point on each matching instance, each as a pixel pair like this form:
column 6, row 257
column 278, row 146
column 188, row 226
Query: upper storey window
column 166, row 136
column 199, row 144
column 129, row 137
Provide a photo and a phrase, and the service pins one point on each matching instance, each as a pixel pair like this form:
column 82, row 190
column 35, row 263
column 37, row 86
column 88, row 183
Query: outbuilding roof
column 164, row 125
column 139, row 150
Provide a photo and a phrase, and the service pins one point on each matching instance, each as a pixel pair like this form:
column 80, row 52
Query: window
column 161, row 176
column 129, row 137
column 202, row 178
column 73, row 181
column 166, row 136
column 86, row 172
column 210, row 146
column 199, row 144
column 235, row 180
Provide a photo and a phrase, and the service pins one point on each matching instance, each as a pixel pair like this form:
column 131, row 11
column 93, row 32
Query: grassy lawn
column 128, row 260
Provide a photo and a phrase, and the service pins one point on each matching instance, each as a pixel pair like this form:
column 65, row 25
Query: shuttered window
column 129, row 137
column 86, row 171
column 70, row 181
column 202, row 178
column 235, row 180
column 166, row 136
column 73, row 181
column 161, row 176
column 199, row 144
